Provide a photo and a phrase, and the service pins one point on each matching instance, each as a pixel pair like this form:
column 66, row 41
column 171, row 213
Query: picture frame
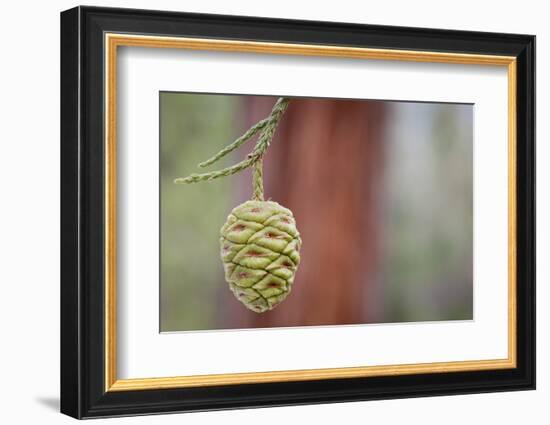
column 91, row 38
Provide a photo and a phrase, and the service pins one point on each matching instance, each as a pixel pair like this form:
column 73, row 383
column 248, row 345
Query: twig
column 267, row 128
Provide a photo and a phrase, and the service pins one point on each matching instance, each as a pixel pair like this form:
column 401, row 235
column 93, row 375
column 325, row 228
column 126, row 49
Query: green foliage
column 192, row 127
column 428, row 255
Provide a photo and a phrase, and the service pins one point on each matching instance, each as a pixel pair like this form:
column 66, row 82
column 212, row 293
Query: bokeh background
column 382, row 193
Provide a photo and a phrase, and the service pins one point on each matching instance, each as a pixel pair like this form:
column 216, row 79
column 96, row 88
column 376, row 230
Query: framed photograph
column 261, row 212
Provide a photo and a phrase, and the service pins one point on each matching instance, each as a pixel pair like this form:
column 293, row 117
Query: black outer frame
column 82, row 218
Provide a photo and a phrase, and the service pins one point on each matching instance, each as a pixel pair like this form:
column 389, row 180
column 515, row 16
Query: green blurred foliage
column 428, row 242
column 193, row 127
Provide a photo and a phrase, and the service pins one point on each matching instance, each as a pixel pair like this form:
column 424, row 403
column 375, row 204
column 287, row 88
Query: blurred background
column 381, row 191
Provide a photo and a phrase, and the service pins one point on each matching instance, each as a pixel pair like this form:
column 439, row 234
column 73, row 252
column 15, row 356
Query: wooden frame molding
column 114, row 40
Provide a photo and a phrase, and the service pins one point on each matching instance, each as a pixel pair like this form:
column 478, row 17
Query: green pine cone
column 260, row 252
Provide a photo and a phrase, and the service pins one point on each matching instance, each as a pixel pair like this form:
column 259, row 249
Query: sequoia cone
column 260, row 251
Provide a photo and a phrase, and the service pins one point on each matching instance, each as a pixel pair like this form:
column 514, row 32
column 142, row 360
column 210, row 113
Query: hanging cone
column 259, row 242
column 260, row 252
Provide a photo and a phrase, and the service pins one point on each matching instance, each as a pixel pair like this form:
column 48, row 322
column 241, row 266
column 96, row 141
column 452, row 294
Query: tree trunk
column 325, row 164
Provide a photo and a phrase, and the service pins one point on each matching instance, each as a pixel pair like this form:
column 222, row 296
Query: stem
column 258, row 181
column 267, row 128
column 228, row 149
column 194, row 178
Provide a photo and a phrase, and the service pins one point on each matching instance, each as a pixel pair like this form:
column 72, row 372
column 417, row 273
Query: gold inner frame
column 113, row 41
